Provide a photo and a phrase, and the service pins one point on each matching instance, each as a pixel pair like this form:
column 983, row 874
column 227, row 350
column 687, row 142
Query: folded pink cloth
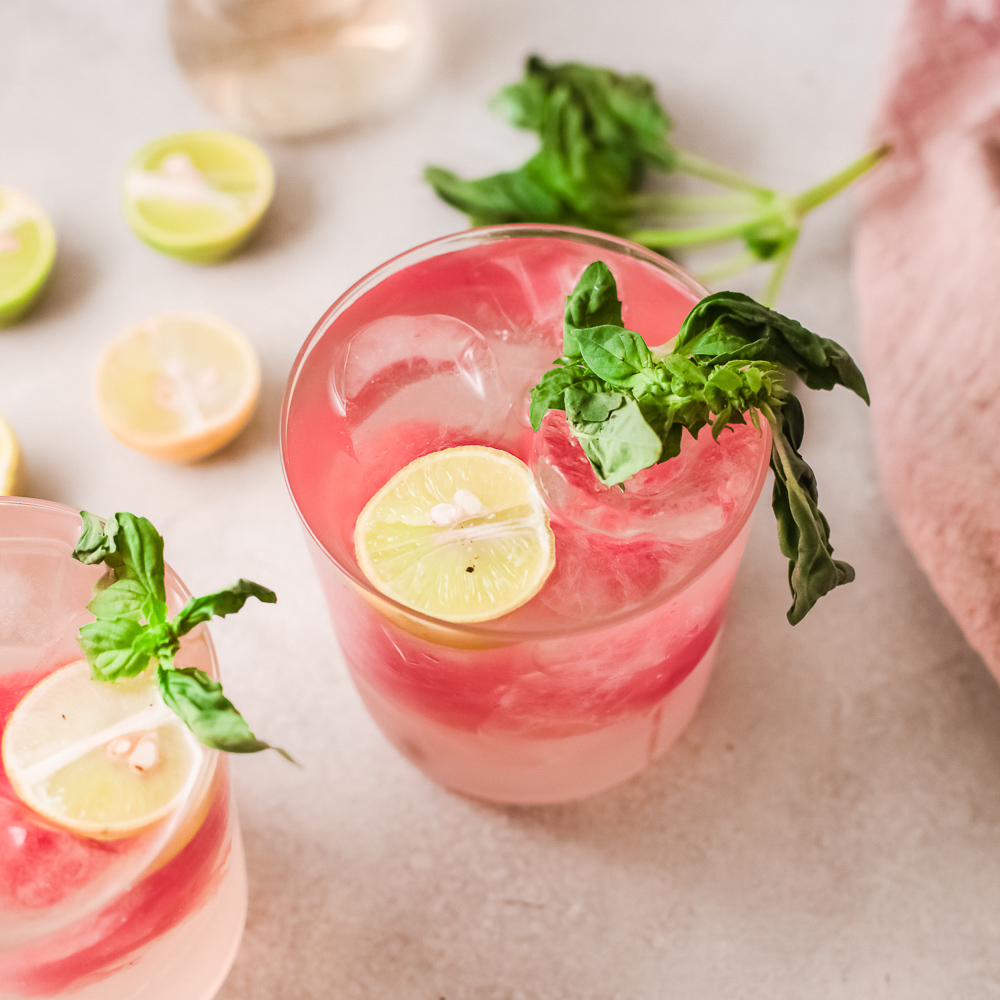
column 927, row 272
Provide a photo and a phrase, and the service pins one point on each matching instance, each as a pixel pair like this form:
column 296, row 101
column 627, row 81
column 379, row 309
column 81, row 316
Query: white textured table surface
column 829, row 825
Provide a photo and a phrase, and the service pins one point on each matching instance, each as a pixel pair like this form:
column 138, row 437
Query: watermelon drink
column 597, row 674
column 158, row 914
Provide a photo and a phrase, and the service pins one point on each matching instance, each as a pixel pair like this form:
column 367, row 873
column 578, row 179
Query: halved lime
column 197, row 195
column 461, row 535
column 103, row 760
column 27, row 251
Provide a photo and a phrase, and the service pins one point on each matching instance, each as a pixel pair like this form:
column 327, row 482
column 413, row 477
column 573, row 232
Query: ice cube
column 686, row 500
column 524, row 297
column 620, row 548
column 518, row 301
column 43, row 599
column 435, row 368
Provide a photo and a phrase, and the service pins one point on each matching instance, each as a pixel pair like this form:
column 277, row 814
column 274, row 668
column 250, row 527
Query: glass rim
column 463, row 239
column 199, row 788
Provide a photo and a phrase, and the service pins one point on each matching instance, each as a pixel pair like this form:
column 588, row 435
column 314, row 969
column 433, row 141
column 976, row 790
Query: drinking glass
column 159, row 915
column 599, row 673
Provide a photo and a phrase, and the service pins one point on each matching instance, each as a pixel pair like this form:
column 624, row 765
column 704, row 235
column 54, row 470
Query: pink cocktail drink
column 158, row 915
column 598, row 674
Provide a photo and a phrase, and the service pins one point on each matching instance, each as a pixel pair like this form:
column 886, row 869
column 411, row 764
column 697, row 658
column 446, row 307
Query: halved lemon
column 178, row 385
column 461, row 535
column 27, row 251
column 197, row 195
column 102, row 760
column 10, row 459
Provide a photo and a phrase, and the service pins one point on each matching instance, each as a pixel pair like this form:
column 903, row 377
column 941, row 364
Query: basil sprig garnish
column 600, row 134
column 132, row 628
column 599, row 131
column 629, row 407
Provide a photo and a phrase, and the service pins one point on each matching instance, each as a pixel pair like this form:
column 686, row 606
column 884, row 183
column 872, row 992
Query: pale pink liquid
column 157, row 916
column 599, row 673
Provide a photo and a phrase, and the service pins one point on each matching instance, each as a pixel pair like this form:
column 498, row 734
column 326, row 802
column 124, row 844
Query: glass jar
column 290, row 68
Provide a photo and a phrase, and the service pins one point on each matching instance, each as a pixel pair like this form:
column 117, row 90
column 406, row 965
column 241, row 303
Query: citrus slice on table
column 461, row 535
column 178, row 385
column 103, row 760
column 10, row 458
column 27, row 251
column 197, row 195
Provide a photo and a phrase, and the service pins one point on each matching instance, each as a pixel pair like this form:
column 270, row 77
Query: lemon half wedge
column 461, row 535
column 102, row 760
column 10, row 459
column 177, row 386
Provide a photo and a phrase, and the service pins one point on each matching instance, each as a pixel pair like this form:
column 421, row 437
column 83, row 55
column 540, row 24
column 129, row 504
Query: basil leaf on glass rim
column 131, row 630
column 729, row 364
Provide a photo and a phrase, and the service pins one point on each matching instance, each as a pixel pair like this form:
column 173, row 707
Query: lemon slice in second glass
column 177, row 386
column 27, row 250
column 104, row 760
column 461, row 535
column 197, row 195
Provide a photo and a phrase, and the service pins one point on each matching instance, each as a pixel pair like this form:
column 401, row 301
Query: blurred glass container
column 290, row 68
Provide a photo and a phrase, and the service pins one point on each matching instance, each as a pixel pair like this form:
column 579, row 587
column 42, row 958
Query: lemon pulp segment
column 461, row 535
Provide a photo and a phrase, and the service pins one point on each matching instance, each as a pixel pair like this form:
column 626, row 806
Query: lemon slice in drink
column 27, row 250
column 461, row 535
column 178, row 385
column 104, row 761
column 197, row 195
column 10, row 459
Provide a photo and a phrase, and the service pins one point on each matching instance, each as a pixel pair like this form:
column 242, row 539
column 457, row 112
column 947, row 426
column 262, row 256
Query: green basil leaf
column 583, row 406
column 598, row 132
column 207, row 712
column 732, row 326
column 615, row 355
column 512, row 196
column 118, row 599
column 141, row 549
column 803, row 531
column 95, row 545
column 593, row 302
column 163, row 641
column 522, row 104
column 549, row 393
column 613, row 433
column 133, row 549
column 223, row 602
column 115, row 649
column 617, row 113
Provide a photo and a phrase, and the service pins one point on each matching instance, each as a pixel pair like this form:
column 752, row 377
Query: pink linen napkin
column 927, row 274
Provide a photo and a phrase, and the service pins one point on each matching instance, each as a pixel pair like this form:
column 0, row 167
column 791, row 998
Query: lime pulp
column 198, row 195
column 27, row 252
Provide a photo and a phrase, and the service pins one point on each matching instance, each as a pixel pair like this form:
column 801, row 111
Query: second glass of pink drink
column 598, row 674
column 158, row 915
